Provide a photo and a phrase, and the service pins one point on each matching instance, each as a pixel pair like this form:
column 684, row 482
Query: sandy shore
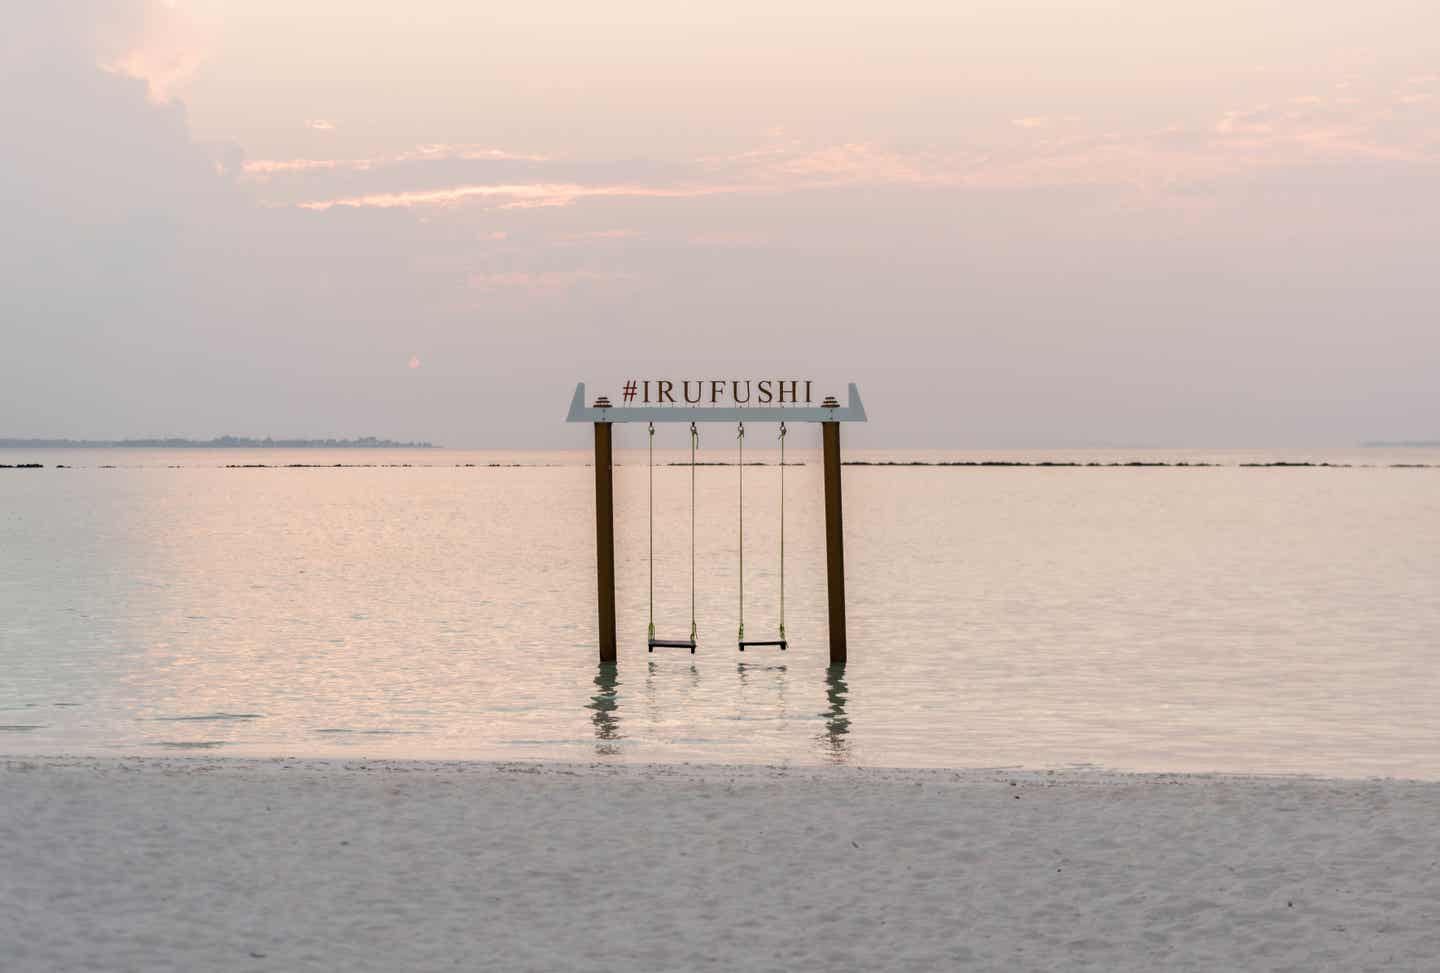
column 197, row 865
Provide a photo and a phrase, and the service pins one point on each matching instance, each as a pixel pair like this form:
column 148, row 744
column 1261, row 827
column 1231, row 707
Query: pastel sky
column 1014, row 223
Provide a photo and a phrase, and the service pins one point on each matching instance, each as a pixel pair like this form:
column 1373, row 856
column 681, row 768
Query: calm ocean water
column 1233, row 619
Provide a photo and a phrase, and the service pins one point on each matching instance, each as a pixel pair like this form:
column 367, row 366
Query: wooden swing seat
column 673, row 644
column 783, row 643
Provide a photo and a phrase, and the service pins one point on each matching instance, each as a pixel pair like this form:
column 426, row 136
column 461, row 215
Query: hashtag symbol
column 630, row 390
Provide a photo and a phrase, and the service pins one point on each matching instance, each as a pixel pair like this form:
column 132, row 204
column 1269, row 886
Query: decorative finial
column 830, row 403
column 602, row 403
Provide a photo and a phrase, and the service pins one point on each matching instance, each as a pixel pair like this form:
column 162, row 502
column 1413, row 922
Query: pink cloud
column 1251, row 121
column 164, row 52
column 433, row 152
column 729, row 240
column 541, row 283
column 1298, row 128
column 516, row 196
column 593, row 236
column 265, row 167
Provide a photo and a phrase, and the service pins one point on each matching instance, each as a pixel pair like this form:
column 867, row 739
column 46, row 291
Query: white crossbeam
column 852, row 411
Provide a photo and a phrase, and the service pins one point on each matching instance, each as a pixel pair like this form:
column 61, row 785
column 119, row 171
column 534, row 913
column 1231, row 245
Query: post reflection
column 606, row 706
column 833, row 742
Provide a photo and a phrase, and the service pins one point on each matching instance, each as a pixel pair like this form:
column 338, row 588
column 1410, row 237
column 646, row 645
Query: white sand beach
column 197, row 865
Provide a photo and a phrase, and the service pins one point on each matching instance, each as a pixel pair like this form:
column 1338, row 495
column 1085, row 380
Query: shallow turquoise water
column 1237, row 619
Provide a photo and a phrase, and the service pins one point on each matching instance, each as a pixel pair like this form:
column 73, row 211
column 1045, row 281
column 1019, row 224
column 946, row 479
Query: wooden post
column 605, row 541
column 834, row 542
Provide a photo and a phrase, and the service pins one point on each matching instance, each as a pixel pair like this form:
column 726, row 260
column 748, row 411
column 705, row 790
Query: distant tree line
column 220, row 442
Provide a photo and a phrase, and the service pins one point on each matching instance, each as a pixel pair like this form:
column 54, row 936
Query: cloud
column 437, row 151
column 767, row 170
column 521, row 196
column 597, row 236
column 728, row 239
column 1057, row 150
column 320, row 124
column 110, row 210
column 1252, row 121
column 92, row 151
column 262, row 168
column 267, row 167
column 546, row 283
column 163, row 47
column 620, row 234
column 854, row 163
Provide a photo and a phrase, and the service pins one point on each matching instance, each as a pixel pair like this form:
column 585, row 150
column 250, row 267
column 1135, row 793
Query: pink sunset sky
column 1028, row 224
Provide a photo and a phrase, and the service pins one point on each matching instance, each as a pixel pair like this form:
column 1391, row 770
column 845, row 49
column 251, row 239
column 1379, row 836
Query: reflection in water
column 747, row 667
column 659, row 681
column 606, row 705
column 771, row 701
column 833, row 744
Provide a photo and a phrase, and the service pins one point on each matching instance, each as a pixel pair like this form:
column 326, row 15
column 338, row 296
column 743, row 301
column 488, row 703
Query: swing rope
column 652, row 531
column 694, row 441
column 740, row 482
column 782, row 531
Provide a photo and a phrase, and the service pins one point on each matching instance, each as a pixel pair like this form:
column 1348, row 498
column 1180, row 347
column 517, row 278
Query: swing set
column 691, row 642
column 829, row 414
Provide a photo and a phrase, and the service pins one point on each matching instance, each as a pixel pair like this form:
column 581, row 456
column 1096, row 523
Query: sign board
column 717, row 400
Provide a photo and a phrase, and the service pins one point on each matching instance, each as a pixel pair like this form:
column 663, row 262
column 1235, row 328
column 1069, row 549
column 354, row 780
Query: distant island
column 1406, row 443
column 221, row 442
